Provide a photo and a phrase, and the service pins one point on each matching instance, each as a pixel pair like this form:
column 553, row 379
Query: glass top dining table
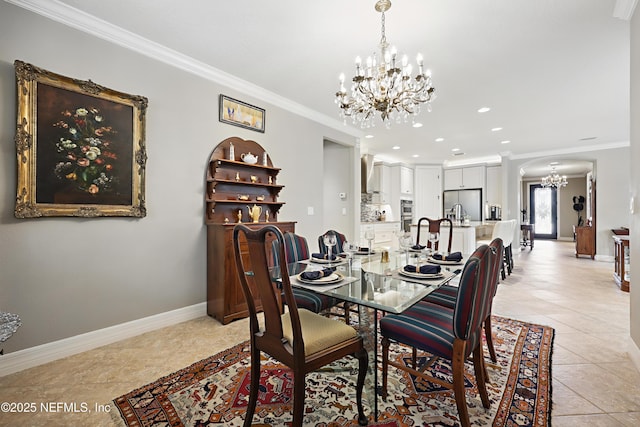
column 375, row 286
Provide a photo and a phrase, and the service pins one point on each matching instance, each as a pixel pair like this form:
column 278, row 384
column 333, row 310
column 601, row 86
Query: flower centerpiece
column 84, row 151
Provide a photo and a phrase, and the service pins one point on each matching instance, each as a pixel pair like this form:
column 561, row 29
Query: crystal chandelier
column 382, row 85
column 554, row 180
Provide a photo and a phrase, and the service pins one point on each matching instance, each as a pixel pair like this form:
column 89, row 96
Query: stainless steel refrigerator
column 471, row 201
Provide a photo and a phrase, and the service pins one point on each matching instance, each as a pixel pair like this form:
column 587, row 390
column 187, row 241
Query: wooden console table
column 621, row 264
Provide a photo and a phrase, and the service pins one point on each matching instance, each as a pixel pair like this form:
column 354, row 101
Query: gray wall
column 67, row 276
column 612, row 175
column 567, row 217
column 635, row 178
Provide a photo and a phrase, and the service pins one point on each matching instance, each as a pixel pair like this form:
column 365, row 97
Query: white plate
column 416, row 250
column 439, row 261
column 420, row 275
column 325, row 261
column 327, row 280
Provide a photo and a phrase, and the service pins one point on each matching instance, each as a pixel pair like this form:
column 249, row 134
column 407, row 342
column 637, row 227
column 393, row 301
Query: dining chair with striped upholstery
column 452, row 334
column 446, row 295
column 296, row 249
column 340, row 239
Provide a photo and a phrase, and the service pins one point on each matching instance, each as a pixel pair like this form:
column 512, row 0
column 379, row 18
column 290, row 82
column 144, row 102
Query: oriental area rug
column 214, row 391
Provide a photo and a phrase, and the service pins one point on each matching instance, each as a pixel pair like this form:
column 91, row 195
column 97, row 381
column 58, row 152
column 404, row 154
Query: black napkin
column 418, row 247
column 323, row 256
column 453, row 256
column 315, row 275
column 424, row 269
column 361, row 249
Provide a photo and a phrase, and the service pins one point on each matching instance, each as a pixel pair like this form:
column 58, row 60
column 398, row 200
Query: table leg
column 368, row 323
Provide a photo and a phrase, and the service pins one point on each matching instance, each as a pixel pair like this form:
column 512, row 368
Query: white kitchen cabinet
column 401, row 182
column 406, row 181
column 381, row 184
column 464, row 178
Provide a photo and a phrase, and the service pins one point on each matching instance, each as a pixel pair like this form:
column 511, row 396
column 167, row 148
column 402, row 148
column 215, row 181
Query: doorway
column 544, row 211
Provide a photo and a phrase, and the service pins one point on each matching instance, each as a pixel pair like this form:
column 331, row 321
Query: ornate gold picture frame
column 80, row 147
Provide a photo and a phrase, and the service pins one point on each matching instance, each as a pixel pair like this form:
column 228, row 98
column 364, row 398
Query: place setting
column 321, row 280
column 454, row 258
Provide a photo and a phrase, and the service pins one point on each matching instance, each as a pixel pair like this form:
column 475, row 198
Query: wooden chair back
column 434, row 227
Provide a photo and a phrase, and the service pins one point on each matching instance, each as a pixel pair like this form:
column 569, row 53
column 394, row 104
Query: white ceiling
column 553, row 71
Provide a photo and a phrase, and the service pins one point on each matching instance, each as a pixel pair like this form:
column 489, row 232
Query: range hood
column 366, row 173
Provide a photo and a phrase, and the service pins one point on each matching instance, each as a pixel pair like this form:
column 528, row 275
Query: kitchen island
column 463, row 240
column 386, row 233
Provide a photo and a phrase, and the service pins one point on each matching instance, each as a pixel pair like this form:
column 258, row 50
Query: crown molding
column 579, row 150
column 624, row 9
column 82, row 21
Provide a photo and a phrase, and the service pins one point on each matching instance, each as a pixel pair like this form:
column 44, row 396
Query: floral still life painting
column 80, row 148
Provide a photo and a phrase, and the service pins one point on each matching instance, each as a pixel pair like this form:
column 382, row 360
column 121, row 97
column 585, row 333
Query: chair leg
column 299, row 386
column 480, row 369
column 385, row 365
column 363, row 364
column 253, row 387
column 458, row 381
column 509, row 259
column 489, row 336
column 503, row 274
column 414, row 357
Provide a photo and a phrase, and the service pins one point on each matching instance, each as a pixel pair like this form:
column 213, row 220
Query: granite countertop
column 379, row 222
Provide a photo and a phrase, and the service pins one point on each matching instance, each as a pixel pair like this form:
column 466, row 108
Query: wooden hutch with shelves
column 237, row 190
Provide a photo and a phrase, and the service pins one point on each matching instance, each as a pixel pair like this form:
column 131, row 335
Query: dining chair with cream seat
column 296, row 249
column 302, row 340
column 453, row 334
column 434, row 227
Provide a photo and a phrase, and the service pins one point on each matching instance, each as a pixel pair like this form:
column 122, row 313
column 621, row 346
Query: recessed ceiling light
column 395, row 147
column 368, row 136
column 505, row 142
column 484, row 109
column 416, row 155
column 554, row 163
column 458, row 154
column 496, row 129
column 439, row 139
column 455, row 149
column 417, row 125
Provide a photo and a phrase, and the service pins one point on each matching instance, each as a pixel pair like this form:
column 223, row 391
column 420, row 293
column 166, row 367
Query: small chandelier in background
column 554, row 180
column 382, row 86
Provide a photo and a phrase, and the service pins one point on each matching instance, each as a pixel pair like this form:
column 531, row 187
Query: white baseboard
column 634, row 353
column 34, row 356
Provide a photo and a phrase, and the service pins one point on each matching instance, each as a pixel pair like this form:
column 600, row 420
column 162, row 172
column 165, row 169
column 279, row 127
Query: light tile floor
column 594, row 382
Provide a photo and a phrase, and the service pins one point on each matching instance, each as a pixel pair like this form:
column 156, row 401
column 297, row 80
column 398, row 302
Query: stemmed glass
column 350, row 249
column 330, row 241
column 405, row 244
column 369, row 234
column 434, row 236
